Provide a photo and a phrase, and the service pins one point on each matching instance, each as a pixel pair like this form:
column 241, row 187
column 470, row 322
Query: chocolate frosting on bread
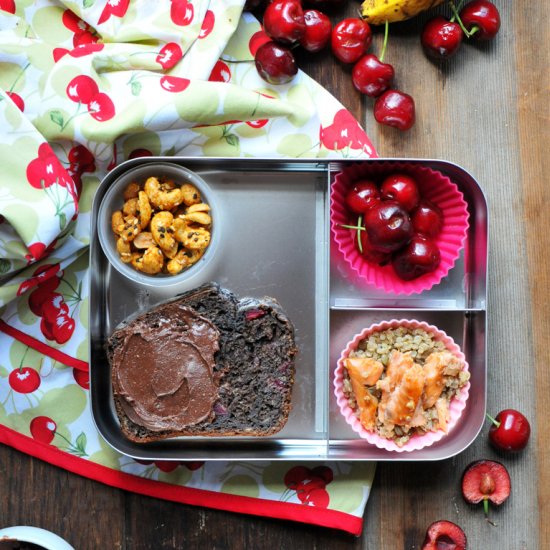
column 253, row 369
column 164, row 378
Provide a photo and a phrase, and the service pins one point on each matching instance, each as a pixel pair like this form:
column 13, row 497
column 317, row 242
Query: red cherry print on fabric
column 7, row 5
column 256, row 40
column 39, row 250
column 137, row 153
column 257, row 123
column 101, row 107
column 79, row 51
column 113, row 8
column 43, row 429
column 166, row 466
column 17, row 99
column 80, row 160
column 207, row 24
column 43, row 275
column 83, row 33
column 193, row 464
column 310, row 484
column 81, row 89
column 169, row 55
column 174, row 83
column 82, row 378
column 343, row 132
column 24, row 380
column 220, row 73
column 181, row 12
column 45, row 170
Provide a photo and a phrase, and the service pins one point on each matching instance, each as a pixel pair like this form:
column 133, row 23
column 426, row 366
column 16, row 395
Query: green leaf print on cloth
column 82, row 89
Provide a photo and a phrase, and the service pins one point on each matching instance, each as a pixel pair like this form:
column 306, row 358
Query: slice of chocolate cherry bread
column 244, row 348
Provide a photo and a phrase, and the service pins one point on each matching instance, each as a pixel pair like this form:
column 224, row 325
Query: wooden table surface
column 487, row 110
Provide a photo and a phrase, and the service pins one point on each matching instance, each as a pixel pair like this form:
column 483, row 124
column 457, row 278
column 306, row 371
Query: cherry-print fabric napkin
column 83, row 86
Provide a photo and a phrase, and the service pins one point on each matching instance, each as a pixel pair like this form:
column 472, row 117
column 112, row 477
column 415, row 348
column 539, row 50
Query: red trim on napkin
column 43, row 348
column 184, row 495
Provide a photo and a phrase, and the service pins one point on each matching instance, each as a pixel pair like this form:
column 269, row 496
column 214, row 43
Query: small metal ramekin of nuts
column 161, row 223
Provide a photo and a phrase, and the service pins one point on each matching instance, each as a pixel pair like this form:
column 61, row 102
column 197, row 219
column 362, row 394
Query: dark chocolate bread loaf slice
column 254, row 367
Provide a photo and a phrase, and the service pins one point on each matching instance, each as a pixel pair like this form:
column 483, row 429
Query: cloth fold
column 83, row 86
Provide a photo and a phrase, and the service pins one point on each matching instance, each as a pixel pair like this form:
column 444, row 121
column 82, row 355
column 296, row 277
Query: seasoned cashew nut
column 190, row 194
column 194, row 255
column 200, row 207
column 131, row 191
column 124, row 250
column 151, row 262
column 117, row 220
column 180, row 228
column 161, row 195
column 129, row 228
column 163, row 233
column 196, row 238
column 130, row 207
column 144, row 240
column 202, row 218
column 144, row 209
column 180, row 261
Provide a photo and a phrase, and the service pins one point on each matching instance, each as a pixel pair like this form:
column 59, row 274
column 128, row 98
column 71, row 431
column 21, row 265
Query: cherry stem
column 493, row 420
column 459, row 21
column 486, row 506
column 385, row 43
column 360, row 227
column 23, row 358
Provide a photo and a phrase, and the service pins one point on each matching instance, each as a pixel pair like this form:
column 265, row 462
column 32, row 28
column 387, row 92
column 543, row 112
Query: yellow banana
column 377, row 12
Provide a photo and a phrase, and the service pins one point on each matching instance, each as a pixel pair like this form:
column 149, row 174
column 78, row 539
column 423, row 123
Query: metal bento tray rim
column 325, row 447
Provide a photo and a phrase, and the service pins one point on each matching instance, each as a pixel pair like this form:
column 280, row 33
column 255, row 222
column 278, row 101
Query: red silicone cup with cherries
column 417, row 441
column 434, row 187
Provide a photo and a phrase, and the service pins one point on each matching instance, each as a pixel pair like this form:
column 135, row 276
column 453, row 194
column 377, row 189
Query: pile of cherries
column 288, row 25
column 396, row 225
column 441, row 38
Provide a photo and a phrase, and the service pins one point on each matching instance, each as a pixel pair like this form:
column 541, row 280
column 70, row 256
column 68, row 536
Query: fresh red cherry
column 395, row 108
column 284, row 21
column 369, row 253
column 275, row 63
column 441, row 38
column 427, row 219
column 318, row 31
column 388, row 226
column 419, row 257
column 510, row 431
column 481, row 18
column 372, row 77
column 362, row 196
column 401, row 188
column 351, row 39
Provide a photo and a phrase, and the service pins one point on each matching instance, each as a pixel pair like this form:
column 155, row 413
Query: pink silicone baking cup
column 416, row 442
column 433, row 186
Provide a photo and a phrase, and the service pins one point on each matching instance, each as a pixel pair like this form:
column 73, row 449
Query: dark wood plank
column 84, row 512
column 533, row 111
